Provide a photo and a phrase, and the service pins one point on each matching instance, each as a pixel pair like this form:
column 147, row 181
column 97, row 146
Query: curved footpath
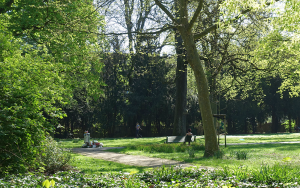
column 134, row 160
column 138, row 160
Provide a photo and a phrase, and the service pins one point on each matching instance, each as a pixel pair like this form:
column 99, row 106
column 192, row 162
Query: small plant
column 191, row 153
column 219, row 154
column 75, row 140
column 239, row 155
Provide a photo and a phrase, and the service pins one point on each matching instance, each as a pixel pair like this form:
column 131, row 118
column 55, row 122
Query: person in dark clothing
column 188, row 136
column 138, row 128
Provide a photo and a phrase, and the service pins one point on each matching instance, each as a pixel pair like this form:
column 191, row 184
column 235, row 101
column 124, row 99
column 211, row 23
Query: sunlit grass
column 125, row 142
column 257, row 155
column 94, row 166
column 111, row 142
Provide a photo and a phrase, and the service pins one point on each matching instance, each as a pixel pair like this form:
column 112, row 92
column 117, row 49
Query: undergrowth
column 168, row 148
column 265, row 176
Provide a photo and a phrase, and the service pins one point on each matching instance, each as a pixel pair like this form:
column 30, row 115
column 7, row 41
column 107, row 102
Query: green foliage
column 265, row 176
column 239, row 155
column 48, row 183
column 27, row 91
column 269, row 175
column 169, row 148
column 53, row 158
column 44, row 46
column 219, row 154
column 191, row 152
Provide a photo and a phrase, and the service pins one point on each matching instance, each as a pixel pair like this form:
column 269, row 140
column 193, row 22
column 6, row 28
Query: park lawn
column 126, row 142
column 257, row 155
column 260, row 138
column 92, row 166
column 111, row 142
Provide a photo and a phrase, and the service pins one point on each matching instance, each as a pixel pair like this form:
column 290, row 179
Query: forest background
column 71, row 66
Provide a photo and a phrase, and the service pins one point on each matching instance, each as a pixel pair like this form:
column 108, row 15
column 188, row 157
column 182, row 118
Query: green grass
column 93, row 166
column 260, row 138
column 256, row 154
column 111, row 142
column 125, row 142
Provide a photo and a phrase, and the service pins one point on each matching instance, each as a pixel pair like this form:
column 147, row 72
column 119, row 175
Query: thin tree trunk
column 211, row 144
column 274, row 120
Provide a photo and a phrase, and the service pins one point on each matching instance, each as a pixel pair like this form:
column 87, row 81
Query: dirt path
column 135, row 160
column 138, row 160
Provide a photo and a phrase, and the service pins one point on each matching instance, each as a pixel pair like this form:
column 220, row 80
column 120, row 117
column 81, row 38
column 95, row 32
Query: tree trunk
column 253, row 123
column 211, row 144
column 290, row 122
column 179, row 125
column 274, row 120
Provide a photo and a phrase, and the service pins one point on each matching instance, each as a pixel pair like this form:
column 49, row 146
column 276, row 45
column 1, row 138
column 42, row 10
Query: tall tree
column 185, row 24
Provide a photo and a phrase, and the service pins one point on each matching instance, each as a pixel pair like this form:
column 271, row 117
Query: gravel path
column 135, row 160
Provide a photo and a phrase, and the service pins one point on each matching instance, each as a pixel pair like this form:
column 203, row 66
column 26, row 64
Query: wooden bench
column 176, row 139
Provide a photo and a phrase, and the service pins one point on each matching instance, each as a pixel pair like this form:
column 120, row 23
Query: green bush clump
column 219, row 154
column 191, row 153
column 239, row 155
column 53, row 158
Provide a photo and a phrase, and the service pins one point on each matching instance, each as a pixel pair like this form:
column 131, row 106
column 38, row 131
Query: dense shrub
column 26, row 94
column 53, row 158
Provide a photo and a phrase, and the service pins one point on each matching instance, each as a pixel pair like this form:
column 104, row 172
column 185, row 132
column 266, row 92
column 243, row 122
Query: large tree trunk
column 211, row 144
column 185, row 28
column 179, row 125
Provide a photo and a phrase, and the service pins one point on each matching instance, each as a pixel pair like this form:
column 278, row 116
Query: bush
column 239, row 155
column 191, row 152
column 219, row 154
column 53, row 158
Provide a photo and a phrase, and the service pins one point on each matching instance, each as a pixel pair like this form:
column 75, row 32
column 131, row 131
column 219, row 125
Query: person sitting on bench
column 188, row 136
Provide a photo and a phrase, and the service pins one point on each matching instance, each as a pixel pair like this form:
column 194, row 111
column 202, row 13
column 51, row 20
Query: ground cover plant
column 264, row 176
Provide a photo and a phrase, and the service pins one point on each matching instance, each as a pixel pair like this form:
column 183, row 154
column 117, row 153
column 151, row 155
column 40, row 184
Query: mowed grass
column 93, row 166
column 260, row 138
column 125, row 142
column 111, row 142
column 257, row 155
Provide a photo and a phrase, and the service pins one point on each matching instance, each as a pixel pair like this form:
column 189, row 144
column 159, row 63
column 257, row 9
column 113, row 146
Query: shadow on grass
column 279, row 147
column 92, row 166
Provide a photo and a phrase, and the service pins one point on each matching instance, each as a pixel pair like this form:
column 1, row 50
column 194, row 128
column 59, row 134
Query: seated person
column 188, row 136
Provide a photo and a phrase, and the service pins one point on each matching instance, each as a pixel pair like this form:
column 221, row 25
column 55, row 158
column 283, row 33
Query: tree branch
column 216, row 26
column 196, row 14
column 145, row 33
column 157, row 2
